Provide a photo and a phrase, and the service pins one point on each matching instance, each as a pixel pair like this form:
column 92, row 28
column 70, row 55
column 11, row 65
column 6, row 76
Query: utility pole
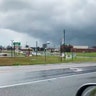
column 64, row 36
column 61, row 51
column 64, row 44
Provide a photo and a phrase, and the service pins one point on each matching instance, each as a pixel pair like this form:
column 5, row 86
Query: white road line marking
column 33, row 82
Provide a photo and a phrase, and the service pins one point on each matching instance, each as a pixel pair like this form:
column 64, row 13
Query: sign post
column 16, row 46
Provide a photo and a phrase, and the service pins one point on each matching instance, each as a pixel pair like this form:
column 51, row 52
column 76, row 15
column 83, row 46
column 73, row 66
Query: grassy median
column 22, row 60
column 5, row 61
column 28, row 60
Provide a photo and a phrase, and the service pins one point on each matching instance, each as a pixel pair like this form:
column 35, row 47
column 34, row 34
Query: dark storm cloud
column 46, row 19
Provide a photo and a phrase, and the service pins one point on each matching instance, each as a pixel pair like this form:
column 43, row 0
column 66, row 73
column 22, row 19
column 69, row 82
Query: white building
column 80, row 47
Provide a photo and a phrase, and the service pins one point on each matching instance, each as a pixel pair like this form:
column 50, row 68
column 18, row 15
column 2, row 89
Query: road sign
column 16, row 43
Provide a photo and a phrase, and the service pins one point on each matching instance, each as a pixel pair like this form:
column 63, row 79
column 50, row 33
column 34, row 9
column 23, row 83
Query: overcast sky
column 29, row 21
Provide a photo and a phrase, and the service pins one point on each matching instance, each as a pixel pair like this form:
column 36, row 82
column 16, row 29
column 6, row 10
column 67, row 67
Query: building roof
column 80, row 47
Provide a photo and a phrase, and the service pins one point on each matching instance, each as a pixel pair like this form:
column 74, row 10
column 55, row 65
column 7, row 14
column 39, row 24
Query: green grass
column 40, row 60
column 16, row 61
column 92, row 54
column 28, row 60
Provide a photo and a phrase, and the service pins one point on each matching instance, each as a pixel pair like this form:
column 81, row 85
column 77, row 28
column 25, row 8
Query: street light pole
column 36, row 47
column 45, row 49
column 45, row 54
column 12, row 48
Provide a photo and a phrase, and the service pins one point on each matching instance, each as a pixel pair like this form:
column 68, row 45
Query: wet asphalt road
column 56, row 82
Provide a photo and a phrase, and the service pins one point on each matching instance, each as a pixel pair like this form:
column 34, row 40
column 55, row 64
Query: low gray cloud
column 46, row 19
